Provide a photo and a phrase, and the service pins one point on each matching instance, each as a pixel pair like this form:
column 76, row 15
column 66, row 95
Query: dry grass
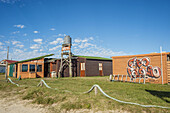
column 60, row 99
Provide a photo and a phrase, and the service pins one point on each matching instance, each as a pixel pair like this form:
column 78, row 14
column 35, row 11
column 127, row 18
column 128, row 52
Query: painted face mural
column 141, row 67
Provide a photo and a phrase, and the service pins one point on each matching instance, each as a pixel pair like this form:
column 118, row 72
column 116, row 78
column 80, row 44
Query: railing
column 127, row 78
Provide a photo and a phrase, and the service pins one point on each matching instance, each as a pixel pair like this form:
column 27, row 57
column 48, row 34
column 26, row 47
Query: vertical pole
column 7, row 63
column 8, row 53
column 95, row 88
column 70, row 64
column 161, row 64
column 59, row 72
column 118, row 78
column 126, row 79
column 111, row 76
column 139, row 78
column 122, row 78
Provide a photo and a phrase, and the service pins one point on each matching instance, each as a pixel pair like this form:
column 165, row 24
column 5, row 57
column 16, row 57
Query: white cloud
column 85, row 45
column 35, row 51
column 41, row 50
column 83, row 40
column 39, row 40
column 55, row 48
column 1, row 43
column 9, row 1
column 20, row 46
column 15, row 32
column 52, row 29
column 15, row 42
column 36, row 31
column 25, row 34
column 77, row 40
column 18, row 51
column 58, row 40
column 19, row 26
column 59, row 35
column 8, row 42
column 35, row 46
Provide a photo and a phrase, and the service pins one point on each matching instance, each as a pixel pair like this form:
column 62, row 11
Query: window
column 39, row 68
column 24, row 67
column 168, row 57
column 100, row 66
column 32, row 68
column 82, row 66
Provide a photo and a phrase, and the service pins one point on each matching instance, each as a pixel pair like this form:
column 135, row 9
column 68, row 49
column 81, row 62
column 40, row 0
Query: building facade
column 82, row 66
column 155, row 67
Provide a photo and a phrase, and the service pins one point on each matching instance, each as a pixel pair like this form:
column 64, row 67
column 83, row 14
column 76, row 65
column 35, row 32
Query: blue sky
column 103, row 28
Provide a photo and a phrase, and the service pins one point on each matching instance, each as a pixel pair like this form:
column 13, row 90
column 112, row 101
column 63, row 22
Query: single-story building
column 86, row 66
column 152, row 66
column 82, row 66
column 2, row 68
column 30, row 68
column 3, row 65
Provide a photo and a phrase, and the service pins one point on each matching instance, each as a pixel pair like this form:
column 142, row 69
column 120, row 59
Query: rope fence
column 97, row 87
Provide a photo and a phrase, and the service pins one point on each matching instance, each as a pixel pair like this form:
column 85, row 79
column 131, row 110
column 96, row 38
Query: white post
column 122, row 78
column 118, row 78
column 111, row 76
column 139, row 78
column 95, row 88
column 161, row 64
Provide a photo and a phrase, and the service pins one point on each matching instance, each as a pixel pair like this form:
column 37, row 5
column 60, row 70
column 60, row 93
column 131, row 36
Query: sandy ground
column 13, row 104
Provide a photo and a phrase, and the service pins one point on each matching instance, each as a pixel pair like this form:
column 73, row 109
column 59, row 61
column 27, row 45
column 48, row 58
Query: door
column 82, row 70
column 100, row 69
column 47, row 70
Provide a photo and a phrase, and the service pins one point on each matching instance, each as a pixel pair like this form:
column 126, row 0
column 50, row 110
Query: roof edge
column 140, row 55
column 36, row 58
column 92, row 57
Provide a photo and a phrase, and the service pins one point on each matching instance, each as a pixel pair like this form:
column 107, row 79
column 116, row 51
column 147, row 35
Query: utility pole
column 7, row 63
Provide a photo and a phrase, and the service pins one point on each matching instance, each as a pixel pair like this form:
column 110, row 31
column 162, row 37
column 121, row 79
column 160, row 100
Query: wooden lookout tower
column 66, row 55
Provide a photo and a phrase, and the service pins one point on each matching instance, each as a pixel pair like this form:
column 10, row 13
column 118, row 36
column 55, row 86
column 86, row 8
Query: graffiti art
column 141, row 67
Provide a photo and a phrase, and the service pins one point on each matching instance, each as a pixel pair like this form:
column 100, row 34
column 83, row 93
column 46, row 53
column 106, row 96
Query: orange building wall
column 120, row 65
column 31, row 74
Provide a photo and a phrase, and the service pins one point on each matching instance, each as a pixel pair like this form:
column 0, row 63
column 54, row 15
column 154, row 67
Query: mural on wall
column 141, row 67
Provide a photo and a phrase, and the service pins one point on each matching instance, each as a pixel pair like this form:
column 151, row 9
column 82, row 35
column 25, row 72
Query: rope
column 122, row 101
column 12, row 82
column 42, row 81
